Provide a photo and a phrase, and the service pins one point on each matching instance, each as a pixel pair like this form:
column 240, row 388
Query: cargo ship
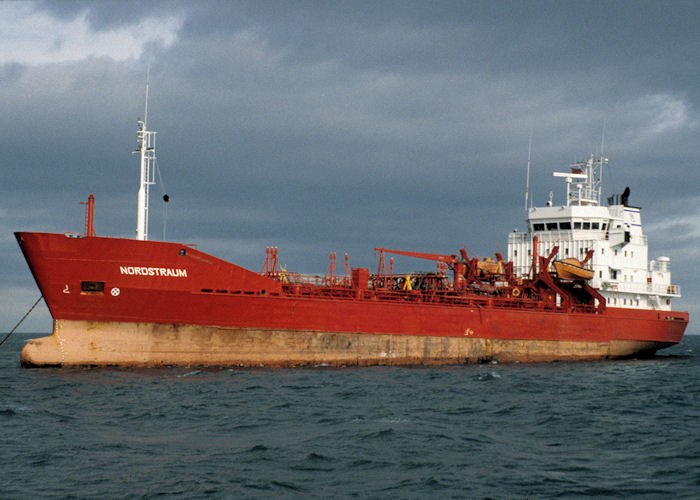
column 576, row 285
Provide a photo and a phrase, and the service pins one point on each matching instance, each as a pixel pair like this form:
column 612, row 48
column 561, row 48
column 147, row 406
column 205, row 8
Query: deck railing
column 643, row 288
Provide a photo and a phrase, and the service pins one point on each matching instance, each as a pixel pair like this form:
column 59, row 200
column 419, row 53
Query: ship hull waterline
column 91, row 343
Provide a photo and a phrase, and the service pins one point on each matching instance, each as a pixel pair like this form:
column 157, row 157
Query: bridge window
column 577, row 225
column 586, row 225
column 538, row 227
column 565, row 225
column 595, row 225
column 551, row 226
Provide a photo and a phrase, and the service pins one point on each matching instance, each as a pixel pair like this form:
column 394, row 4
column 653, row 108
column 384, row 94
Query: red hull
column 117, row 281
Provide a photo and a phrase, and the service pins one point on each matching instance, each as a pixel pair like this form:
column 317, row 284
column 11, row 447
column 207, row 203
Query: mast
column 586, row 179
column 603, row 160
column 527, row 182
column 147, row 148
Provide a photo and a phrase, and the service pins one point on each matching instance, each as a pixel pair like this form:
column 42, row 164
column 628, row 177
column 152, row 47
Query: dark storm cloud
column 503, row 38
column 338, row 126
column 103, row 15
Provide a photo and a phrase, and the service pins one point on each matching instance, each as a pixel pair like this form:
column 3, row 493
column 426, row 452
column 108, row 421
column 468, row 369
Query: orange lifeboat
column 488, row 265
column 572, row 269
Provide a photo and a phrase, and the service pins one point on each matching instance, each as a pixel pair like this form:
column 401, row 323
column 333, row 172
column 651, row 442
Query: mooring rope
column 20, row 321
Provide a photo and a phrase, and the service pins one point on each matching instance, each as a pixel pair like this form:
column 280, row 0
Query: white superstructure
column 623, row 273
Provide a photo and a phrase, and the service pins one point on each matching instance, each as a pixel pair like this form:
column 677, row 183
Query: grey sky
column 341, row 126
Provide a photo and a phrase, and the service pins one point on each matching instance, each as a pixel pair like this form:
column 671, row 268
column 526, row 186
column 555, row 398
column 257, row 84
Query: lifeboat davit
column 572, row 269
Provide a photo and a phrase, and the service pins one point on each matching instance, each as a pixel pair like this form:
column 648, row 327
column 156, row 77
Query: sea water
column 613, row 429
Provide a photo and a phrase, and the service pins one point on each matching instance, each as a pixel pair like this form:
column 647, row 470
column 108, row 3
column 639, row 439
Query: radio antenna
column 527, row 181
column 603, row 159
column 148, row 84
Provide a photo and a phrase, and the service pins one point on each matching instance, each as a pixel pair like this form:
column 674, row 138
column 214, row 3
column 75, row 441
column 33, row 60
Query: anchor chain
column 20, row 321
